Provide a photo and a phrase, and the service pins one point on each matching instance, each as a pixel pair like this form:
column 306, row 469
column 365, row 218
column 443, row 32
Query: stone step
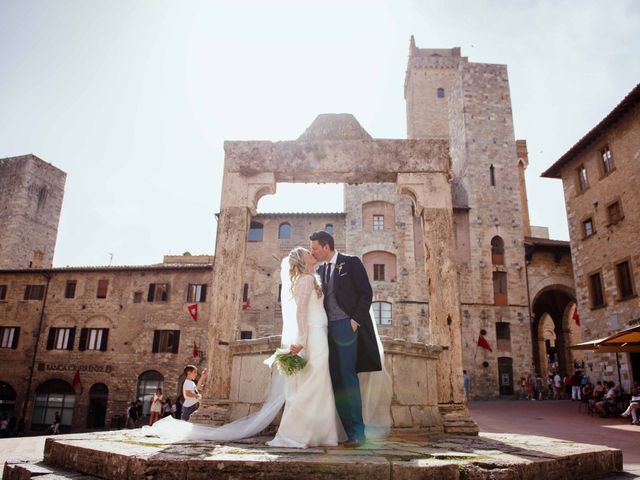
column 41, row 471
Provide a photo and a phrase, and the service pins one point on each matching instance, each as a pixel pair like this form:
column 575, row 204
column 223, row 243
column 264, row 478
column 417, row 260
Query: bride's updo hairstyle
column 297, row 267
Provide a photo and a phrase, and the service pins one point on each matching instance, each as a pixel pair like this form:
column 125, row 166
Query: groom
column 352, row 342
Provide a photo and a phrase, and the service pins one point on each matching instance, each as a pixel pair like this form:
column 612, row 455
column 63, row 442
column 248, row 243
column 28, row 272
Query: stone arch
column 7, row 399
column 98, row 321
column 554, row 302
column 497, row 250
column 98, row 399
column 53, row 395
column 336, row 149
column 148, row 381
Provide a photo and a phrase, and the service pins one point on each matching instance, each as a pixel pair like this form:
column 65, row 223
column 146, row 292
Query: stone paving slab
column 130, row 454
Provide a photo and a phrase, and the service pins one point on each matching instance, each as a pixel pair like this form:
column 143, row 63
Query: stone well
column 411, row 366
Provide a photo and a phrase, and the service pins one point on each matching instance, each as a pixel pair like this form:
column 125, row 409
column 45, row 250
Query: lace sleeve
column 302, row 294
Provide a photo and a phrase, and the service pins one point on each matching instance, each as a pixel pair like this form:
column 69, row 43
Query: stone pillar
column 240, row 195
column 431, row 194
column 231, row 240
column 565, row 360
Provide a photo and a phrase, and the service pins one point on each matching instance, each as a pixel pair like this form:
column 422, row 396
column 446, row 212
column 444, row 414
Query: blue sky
column 133, row 99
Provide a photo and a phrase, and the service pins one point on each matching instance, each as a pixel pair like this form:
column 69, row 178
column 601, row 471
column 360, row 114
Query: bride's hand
column 295, row 349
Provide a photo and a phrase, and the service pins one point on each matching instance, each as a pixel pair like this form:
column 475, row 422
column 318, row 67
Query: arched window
column 98, row 395
column 7, row 399
column 383, row 313
column 380, row 266
column 497, row 250
column 148, row 382
column 378, row 215
column 440, row 92
column 492, row 176
column 284, row 231
column 255, row 232
column 329, row 228
column 53, row 396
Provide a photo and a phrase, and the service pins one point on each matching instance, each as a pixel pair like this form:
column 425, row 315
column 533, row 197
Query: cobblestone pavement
column 561, row 419
column 558, row 419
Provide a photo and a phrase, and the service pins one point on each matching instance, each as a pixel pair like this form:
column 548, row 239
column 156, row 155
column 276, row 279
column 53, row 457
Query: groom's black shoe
column 352, row 443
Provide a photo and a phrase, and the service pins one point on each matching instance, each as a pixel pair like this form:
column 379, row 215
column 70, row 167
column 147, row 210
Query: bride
column 310, row 418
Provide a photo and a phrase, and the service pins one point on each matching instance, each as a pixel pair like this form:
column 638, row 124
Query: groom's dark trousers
column 343, row 353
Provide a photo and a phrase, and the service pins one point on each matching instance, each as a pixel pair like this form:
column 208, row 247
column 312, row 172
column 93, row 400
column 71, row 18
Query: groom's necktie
column 327, row 275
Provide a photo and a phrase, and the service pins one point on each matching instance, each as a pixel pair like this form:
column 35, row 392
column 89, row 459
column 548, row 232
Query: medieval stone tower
column 31, row 193
column 469, row 104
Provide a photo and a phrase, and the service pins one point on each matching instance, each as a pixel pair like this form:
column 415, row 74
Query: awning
column 624, row 341
column 590, row 345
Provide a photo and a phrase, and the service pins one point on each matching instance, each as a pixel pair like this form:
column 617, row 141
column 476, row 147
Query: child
column 190, row 391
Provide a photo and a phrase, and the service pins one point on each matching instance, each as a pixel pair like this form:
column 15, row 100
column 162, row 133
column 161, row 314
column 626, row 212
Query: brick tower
column 469, row 104
column 31, row 193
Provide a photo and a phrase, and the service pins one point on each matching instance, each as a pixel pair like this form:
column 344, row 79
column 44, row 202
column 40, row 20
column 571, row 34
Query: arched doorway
column 98, row 395
column 53, row 396
column 148, row 382
column 7, row 400
column 551, row 330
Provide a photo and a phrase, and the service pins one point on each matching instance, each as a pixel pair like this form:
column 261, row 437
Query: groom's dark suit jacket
column 354, row 296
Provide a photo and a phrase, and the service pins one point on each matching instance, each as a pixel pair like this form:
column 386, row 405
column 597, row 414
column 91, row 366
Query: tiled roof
column 545, row 241
column 113, row 268
column 300, row 214
column 621, row 109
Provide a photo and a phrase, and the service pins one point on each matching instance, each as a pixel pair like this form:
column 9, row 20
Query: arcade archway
column 553, row 330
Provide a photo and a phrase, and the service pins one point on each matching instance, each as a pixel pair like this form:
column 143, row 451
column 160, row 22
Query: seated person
column 598, row 393
column 634, row 405
column 608, row 402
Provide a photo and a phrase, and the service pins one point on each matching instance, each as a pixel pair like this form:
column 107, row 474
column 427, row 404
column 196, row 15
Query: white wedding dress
column 310, row 418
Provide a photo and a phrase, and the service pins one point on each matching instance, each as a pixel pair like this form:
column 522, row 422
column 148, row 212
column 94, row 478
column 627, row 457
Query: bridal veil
column 375, row 388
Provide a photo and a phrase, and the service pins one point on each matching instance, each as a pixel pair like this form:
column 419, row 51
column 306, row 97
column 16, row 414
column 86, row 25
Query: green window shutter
column 16, row 334
column 156, row 341
column 83, row 339
column 105, row 336
column 176, row 341
column 72, row 336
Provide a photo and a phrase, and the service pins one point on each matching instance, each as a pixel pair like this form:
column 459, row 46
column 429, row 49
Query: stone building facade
column 602, row 192
column 86, row 341
column 31, row 193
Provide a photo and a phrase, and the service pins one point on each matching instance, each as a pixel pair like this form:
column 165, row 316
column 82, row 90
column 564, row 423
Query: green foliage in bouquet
column 289, row 364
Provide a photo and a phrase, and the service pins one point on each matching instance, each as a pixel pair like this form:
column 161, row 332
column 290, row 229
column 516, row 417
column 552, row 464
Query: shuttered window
column 94, row 339
column 158, row 292
column 9, row 337
column 61, row 338
column 103, row 287
column 166, row 341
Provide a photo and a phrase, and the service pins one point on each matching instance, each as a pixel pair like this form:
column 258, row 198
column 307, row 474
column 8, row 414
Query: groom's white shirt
column 332, row 261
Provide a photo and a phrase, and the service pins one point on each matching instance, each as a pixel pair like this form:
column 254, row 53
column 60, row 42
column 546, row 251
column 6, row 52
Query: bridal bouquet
column 286, row 363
